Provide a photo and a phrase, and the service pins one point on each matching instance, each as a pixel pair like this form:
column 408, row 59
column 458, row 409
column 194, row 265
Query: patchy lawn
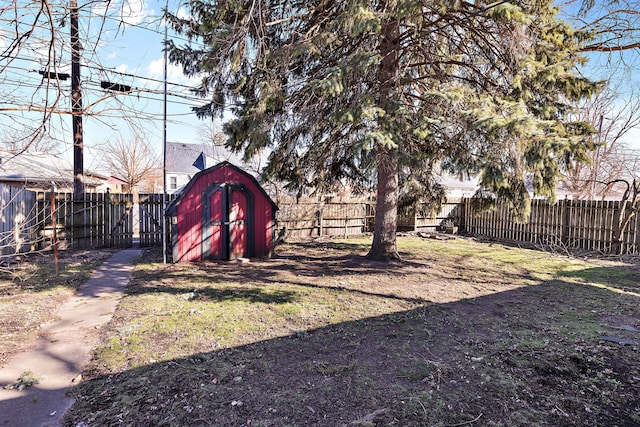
column 31, row 293
column 461, row 333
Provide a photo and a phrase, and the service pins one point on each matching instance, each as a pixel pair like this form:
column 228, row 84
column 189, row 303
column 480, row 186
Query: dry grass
column 461, row 333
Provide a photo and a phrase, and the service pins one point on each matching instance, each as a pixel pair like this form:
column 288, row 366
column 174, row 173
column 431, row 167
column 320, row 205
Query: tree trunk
column 384, row 247
column 386, row 220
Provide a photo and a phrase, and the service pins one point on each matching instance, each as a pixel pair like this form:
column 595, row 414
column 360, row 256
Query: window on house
column 173, row 182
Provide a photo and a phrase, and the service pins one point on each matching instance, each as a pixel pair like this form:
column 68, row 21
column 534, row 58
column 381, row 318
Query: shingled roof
column 180, row 156
column 40, row 170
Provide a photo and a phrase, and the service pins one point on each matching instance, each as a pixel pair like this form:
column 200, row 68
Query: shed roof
column 171, row 207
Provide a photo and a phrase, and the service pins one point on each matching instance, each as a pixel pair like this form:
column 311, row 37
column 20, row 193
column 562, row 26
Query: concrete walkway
column 63, row 348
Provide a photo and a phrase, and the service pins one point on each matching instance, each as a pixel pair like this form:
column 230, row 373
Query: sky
column 138, row 50
column 126, row 48
column 620, row 69
column 134, row 52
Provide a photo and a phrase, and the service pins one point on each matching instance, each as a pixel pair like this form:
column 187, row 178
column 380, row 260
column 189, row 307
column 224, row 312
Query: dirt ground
column 460, row 333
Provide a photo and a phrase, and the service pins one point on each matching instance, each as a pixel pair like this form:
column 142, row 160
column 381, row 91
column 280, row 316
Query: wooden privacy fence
column 90, row 220
column 450, row 210
column 18, row 227
column 578, row 224
column 325, row 219
column 150, row 213
column 112, row 220
column 95, row 220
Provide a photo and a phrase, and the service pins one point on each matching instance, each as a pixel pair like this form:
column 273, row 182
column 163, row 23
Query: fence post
column 346, row 223
column 462, row 220
column 636, row 235
column 320, row 222
column 108, row 238
column 566, row 215
column 54, row 226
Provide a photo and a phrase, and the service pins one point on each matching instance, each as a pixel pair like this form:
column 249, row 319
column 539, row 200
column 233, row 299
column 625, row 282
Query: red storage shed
column 222, row 213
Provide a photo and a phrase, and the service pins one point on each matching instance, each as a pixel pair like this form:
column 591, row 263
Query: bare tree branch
column 130, row 160
column 612, row 118
column 613, row 24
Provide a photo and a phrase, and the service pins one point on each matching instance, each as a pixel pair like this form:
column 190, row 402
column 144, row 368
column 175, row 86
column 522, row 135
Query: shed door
column 238, row 222
column 213, row 224
column 228, row 222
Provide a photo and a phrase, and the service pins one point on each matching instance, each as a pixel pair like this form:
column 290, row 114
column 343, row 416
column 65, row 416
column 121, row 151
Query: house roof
column 181, row 156
column 450, row 181
column 40, row 169
column 115, row 180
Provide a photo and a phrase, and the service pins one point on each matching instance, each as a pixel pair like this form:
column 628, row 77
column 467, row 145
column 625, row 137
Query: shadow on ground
column 527, row 356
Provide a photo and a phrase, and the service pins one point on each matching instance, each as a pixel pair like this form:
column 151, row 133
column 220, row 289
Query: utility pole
column 76, row 103
column 164, row 143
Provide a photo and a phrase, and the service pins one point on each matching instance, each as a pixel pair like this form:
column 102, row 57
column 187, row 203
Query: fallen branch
column 466, row 422
column 187, row 367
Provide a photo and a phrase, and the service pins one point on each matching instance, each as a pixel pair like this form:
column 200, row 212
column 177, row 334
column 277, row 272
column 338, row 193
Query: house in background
column 42, row 171
column 113, row 185
column 456, row 188
column 182, row 156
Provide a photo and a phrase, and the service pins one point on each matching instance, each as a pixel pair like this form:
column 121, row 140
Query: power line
column 139, row 92
column 104, row 70
column 88, row 84
column 122, row 22
column 22, row 82
column 139, row 77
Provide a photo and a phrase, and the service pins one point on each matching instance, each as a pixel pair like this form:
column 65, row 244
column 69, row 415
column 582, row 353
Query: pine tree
column 390, row 91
